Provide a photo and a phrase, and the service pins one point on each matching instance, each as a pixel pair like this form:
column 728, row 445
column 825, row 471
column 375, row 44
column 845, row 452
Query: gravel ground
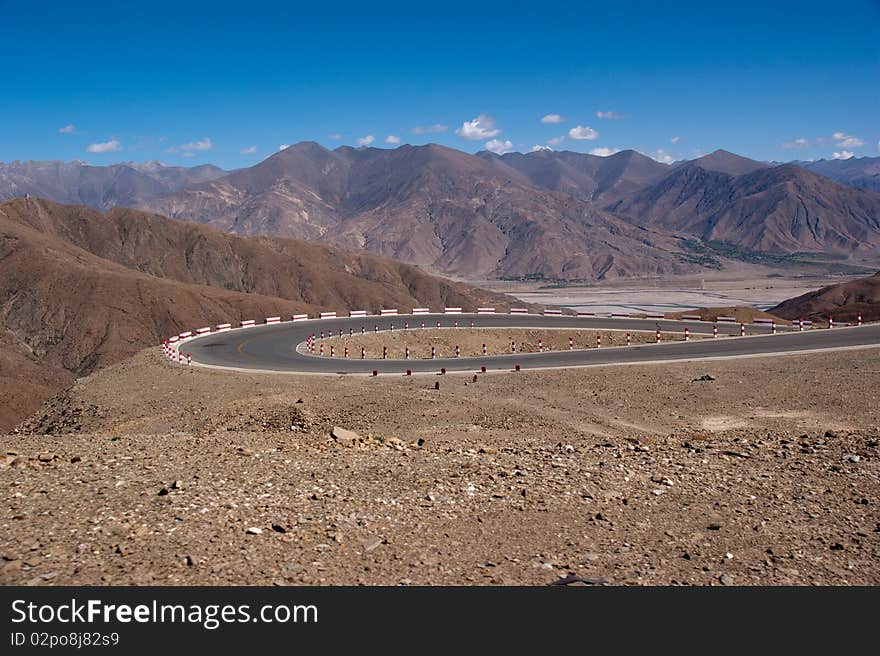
column 737, row 472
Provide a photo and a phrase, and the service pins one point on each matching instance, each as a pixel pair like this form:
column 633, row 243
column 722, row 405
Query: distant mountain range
column 100, row 187
column 860, row 172
column 545, row 215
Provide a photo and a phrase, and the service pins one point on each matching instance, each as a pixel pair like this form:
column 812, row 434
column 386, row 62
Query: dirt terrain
column 80, row 289
column 471, row 341
column 843, row 301
column 735, row 472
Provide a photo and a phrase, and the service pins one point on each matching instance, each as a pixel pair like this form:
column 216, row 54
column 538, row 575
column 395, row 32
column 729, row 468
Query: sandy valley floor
column 148, row 472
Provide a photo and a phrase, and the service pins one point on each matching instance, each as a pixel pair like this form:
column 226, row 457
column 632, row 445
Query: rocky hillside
column 80, row 289
column 844, row 302
column 783, row 209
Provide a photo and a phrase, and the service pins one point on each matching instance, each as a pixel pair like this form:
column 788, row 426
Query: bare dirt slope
column 147, row 472
column 80, row 289
column 844, row 301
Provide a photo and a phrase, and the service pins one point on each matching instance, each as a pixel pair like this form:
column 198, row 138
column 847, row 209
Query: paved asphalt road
column 273, row 347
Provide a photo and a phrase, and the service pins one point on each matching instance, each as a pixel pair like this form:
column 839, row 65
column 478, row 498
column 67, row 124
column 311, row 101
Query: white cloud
column 67, row 129
column 555, row 141
column 336, row 136
column 612, row 115
column 878, row 146
column 250, row 150
column 603, row 152
column 105, row 147
column 675, row 139
column 499, row 147
column 188, row 153
column 392, row 139
column 552, row 118
column 201, row 144
column 581, row 132
column 847, row 140
column 430, row 129
column 366, row 141
column 661, row 156
column 537, row 148
column 797, row 143
column 283, row 146
column 844, row 154
column 482, row 127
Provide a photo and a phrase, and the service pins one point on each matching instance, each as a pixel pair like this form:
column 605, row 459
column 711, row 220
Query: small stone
column 253, row 530
column 244, row 451
column 75, row 459
column 345, row 436
column 176, row 485
column 45, row 457
column 163, row 491
column 371, row 544
column 854, row 458
column 836, row 547
column 278, row 528
column 714, row 527
column 830, row 433
column 726, row 579
column 421, row 441
column 189, row 561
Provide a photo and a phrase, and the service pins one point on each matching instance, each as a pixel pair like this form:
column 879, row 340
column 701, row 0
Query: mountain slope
column 844, row 302
column 723, row 161
column 433, row 206
column 101, row 187
column 783, row 209
column 859, row 172
column 80, row 289
column 587, row 177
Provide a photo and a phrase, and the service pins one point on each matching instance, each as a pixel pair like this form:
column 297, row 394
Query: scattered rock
column 579, row 580
column 726, row 579
column 253, row 530
column 371, row 544
column 853, row 458
column 278, row 528
column 344, row 436
column 704, row 377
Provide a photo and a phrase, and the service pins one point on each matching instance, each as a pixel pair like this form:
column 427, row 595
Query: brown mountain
column 844, row 302
column 101, row 187
column 584, row 176
column 782, row 209
column 723, row 161
column 433, row 206
column 80, row 289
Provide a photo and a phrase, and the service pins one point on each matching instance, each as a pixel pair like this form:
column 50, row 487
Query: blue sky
column 228, row 83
